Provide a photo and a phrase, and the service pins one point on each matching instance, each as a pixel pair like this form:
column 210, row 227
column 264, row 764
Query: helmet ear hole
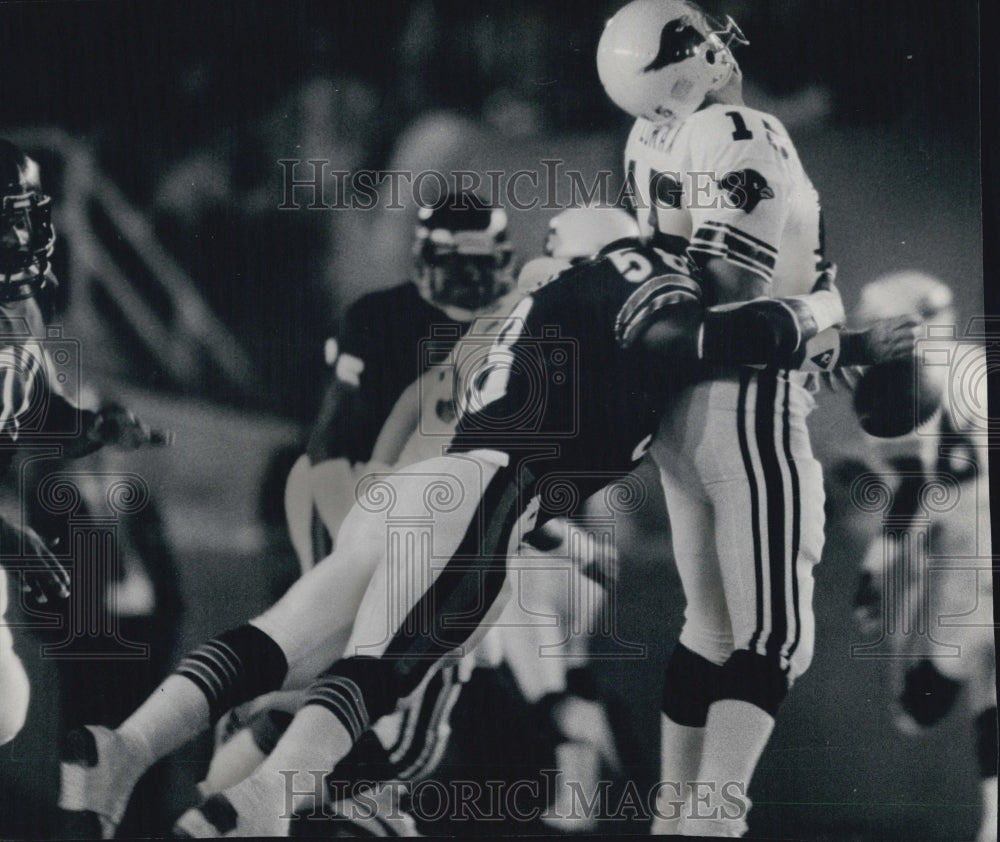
column 710, row 56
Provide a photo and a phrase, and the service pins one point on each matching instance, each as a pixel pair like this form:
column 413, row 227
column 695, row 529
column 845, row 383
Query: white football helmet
column 658, row 59
column 579, row 233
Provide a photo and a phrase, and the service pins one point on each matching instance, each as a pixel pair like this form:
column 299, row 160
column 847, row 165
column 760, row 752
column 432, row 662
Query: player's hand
column 894, row 339
column 887, row 340
column 118, row 426
column 844, row 376
column 44, row 581
column 827, row 280
column 867, row 604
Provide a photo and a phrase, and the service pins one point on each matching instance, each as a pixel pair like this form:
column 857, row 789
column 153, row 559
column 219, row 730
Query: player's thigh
column 768, row 526
column 312, row 621
column 426, row 512
column 707, row 629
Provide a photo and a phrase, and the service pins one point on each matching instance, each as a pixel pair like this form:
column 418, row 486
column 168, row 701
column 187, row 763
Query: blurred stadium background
column 159, row 127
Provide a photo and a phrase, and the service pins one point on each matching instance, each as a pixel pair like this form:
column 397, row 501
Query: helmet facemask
column 723, row 36
column 27, row 236
column 459, row 265
column 27, row 239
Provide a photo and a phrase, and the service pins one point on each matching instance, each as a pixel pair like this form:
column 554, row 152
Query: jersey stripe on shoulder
column 720, row 239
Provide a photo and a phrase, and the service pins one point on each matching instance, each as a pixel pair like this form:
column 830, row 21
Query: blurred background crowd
column 159, row 126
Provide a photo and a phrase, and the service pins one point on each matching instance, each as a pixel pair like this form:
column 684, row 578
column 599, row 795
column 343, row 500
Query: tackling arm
column 798, row 332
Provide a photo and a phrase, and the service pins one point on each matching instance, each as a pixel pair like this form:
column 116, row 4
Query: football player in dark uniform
column 508, row 670
column 461, row 262
column 31, row 406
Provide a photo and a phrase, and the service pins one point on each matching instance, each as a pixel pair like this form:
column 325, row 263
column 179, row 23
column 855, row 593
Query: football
column 891, row 399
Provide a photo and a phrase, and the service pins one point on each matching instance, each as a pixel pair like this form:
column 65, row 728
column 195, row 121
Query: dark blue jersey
column 555, row 392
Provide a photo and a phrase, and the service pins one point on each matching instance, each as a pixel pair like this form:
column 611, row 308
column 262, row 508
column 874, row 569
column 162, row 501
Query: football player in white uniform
column 721, row 183
column 951, row 599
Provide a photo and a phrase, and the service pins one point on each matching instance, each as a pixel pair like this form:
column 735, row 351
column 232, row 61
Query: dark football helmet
column 26, row 233
column 461, row 253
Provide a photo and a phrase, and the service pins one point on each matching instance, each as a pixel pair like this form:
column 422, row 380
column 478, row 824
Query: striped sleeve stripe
column 218, row 659
column 334, row 702
column 227, row 657
column 725, row 241
column 740, row 234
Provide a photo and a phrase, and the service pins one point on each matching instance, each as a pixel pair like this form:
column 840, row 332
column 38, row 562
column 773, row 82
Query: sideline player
column 31, row 405
column 946, row 451
column 461, row 263
column 722, row 184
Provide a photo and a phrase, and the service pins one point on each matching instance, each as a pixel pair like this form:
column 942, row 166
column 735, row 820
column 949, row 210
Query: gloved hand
column 44, row 581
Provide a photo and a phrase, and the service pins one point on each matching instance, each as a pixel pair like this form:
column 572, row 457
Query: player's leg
column 286, row 647
column 446, row 529
column 961, row 615
column 15, row 690
column 767, row 493
column 693, row 670
column 246, row 735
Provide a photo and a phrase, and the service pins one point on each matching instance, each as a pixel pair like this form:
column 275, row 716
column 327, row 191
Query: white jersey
column 727, row 182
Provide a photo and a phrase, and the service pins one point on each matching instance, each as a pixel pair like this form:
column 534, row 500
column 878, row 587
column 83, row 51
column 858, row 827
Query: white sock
column 988, row 825
column 232, row 762
column 292, row 774
column 175, row 712
column 680, row 758
column 735, row 736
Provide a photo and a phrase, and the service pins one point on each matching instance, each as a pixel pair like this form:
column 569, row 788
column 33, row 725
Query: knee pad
column 690, row 684
column 986, row 742
column 753, row 678
column 928, row 695
column 235, row 667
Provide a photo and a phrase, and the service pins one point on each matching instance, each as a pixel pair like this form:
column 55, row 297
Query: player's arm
column 731, row 283
column 345, row 426
column 398, row 427
column 24, row 375
column 664, row 316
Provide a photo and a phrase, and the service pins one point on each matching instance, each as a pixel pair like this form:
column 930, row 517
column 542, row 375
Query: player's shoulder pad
column 373, row 306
